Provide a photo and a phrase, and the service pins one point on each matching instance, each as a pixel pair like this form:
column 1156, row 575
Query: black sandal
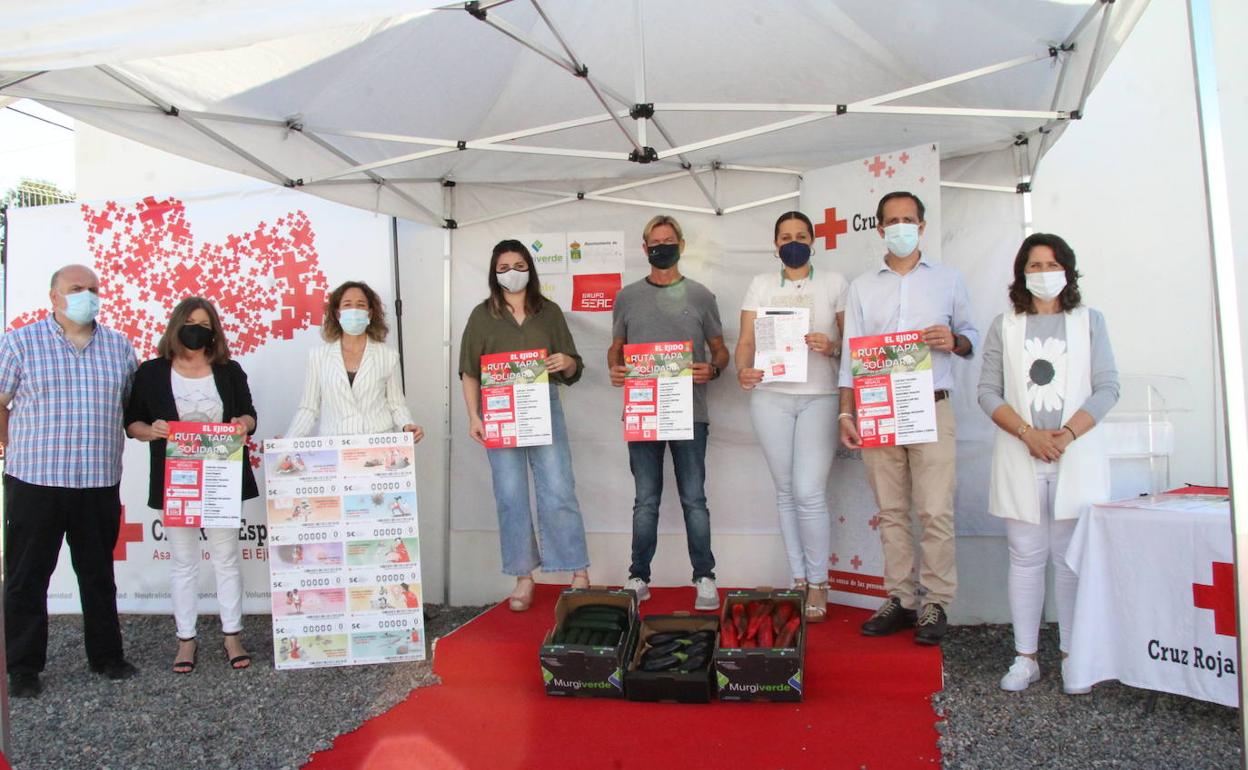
column 187, row 666
column 237, row 659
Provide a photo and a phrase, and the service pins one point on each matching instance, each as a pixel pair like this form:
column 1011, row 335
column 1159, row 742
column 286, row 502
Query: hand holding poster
column 780, row 343
column 658, row 391
column 344, row 550
column 515, row 399
column 893, row 389
column 203, row 475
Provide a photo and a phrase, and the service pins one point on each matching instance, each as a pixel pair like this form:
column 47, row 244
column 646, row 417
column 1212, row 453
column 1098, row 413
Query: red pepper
column 765, row 636
column 788, row 637
column 728, row 636
column 758, row 615
column 783, row 612
column 738, row 618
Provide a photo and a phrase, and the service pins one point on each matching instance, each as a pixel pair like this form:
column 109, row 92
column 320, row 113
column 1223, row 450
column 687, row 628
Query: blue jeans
column 798, row 434
column 689, row 461
column 560, row 526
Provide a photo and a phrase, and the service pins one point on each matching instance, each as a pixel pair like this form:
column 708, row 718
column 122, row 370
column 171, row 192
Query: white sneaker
column 708, row 594
column 1068, row 689
column 1023, row 673
column 639, row 587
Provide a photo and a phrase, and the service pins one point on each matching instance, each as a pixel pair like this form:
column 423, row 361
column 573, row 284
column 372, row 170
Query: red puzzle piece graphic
column 266, row 283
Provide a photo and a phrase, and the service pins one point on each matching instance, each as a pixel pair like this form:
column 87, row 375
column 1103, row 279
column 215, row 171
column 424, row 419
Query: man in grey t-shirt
column 667, row 307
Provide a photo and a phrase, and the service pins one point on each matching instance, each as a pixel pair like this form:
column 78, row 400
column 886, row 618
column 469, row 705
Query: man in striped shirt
column 63, row 382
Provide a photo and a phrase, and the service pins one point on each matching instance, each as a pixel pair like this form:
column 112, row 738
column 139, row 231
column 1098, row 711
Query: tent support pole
column 20, row 79
column 83, row 102
column 517, row 212
column 581, row 71
column 173, row 111
column 1083, row 23
column 1097, row 48
column 763, row 202
column 639, row 71
column 1229, row 281
column 981, row 187
column 448, row 207
column 1044, row 131
column 322, row 143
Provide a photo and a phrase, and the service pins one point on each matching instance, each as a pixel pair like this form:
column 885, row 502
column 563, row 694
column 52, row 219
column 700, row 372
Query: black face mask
column 194, row 336
column 663, row 255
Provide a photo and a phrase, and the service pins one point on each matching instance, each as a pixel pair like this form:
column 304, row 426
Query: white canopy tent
column 461, row 114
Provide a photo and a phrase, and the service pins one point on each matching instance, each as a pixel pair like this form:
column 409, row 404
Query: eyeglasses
column 518, row 268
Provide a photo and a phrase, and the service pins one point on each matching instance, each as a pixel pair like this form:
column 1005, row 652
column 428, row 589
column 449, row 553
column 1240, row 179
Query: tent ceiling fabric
column 395, row 86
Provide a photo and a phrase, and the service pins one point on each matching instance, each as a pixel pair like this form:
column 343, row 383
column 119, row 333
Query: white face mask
column 902, row 238
column 513, row 280
column 1046, row 285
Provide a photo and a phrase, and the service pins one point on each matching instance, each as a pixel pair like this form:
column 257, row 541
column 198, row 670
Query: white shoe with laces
column 639, row 587
column 1023, row 673
column 708, row 594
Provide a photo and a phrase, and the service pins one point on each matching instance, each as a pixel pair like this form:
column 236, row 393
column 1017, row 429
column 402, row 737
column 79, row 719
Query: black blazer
column 151, row 399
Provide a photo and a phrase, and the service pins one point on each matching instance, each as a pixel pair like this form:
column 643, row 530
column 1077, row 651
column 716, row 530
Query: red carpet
column 867, row 705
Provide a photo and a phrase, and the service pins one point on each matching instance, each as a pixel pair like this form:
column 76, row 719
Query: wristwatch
column 714, row 372
column 1023, row 429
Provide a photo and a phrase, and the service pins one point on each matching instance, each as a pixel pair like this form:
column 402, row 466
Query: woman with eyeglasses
column 516, row 317
column 796, row 421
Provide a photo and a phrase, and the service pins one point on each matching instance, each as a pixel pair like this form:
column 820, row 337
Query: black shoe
column 931, row 626
column 115, row 669
column 888, row 619
column 24, row 685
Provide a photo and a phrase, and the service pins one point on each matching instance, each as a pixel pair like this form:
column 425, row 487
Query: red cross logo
column 876, row 166
column 904, row 157
column 129, row 533
column 829, row 228
column 856, row 561
column 874, row 522
column 834, row 559
column 1219, row 597
column 154, row 213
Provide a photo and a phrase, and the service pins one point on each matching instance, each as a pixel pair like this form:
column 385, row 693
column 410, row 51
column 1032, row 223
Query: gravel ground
column 1041, row 727
column 260, row 719
column 213, row 718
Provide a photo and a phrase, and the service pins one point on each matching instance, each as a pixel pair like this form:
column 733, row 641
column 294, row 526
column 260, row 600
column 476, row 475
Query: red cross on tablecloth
column 830, row 227
column 834, row 559
column 856, row 561
column 1219, row 597
column 874, row 522
column 129, row 533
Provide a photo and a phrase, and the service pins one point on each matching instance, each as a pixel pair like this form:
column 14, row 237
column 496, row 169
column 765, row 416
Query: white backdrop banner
column 266, row 259
column 841, row 200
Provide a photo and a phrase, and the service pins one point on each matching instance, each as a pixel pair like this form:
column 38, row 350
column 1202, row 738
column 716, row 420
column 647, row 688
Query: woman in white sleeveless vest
column 1048, row 380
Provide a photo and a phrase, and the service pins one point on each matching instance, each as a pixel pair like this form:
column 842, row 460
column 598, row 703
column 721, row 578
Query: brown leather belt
column 941, row 395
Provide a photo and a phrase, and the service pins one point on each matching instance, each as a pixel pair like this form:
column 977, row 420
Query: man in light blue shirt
column 907, row 293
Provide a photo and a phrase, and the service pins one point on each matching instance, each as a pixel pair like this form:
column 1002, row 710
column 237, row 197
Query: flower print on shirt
column 1046, row 373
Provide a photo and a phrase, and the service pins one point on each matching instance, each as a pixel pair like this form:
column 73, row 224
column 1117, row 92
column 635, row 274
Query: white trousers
column 223, row 548
column 798, row 435
column 1031, row 546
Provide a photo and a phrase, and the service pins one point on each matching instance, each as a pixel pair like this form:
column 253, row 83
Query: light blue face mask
column 81, row 307
column 353, row 320
column 902, row 238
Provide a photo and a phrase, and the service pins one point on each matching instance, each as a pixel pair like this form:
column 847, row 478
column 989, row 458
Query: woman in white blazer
column 353, row 384
column 1048, row 380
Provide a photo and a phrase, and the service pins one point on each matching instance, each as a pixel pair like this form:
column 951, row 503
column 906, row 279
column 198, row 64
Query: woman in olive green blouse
column 516, row 317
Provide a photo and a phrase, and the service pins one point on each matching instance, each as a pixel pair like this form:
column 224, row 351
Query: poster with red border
column 893, row 391
column 515, row 399
column 203, row 475
column 658, row 391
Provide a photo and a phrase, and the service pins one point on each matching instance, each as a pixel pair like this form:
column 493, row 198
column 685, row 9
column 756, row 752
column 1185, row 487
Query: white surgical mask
column 902, row 238
column 353, row 320
column 1046, row 285
column 513, row 280
column 81, row 307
